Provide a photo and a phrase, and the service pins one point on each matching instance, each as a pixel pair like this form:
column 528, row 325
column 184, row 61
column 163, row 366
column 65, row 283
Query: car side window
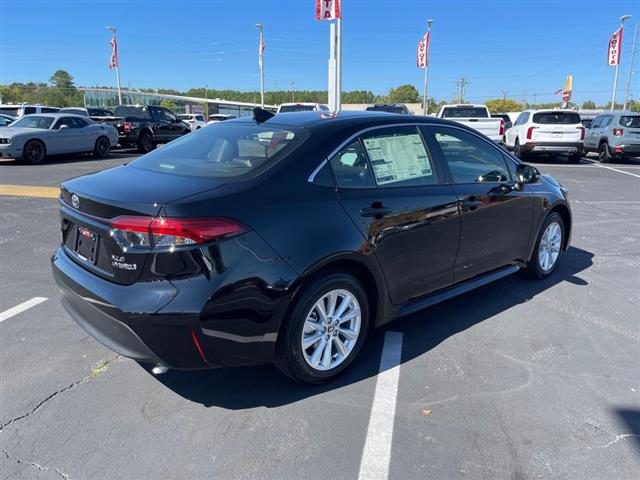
column 78, row 123
column 524, row 118
column 68, row 121
column 471, row 159
column 596, row 122
column 606, row 121
column 351, row 167
column 398, row 157
column 31, row 110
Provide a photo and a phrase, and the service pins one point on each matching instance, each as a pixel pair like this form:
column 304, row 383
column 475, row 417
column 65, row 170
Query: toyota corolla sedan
column 32, row 138
column 286, row 238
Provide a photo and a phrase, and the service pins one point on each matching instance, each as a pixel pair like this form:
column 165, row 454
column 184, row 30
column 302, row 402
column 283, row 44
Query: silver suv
column 614, row 135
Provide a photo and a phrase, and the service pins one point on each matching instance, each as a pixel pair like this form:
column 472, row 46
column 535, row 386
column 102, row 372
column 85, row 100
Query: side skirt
column 465, row 287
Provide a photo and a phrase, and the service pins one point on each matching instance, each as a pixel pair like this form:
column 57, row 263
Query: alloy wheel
column 331, row 329
column 549, row 247
column 103, row 147
column 34, row 152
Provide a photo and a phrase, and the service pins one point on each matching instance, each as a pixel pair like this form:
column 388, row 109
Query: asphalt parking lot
column 519, row 379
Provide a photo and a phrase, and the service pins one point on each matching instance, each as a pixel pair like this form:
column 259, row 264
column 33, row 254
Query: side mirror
column 63, row 127
column 526, row 173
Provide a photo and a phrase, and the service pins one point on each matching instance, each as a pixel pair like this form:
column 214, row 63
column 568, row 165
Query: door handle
column 375, row 211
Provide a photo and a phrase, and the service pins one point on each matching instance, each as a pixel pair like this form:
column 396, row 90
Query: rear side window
column 556, row 118
column 49, row 110
column 464, row 112
column 631, row 121
column 31, row 110
column 471, row 159
column 224, row 150
column 13, row 111
column 398, row 157
column 351, row 167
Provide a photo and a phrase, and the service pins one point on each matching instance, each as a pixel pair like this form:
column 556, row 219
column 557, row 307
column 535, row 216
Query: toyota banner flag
column 327, row 9
column 422, row 54
column 261, row 48
column 113, row 61
column 615, row 47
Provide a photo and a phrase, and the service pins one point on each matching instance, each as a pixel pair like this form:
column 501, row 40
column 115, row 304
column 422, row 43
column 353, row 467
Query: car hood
column 129, row 190
column 13, row 131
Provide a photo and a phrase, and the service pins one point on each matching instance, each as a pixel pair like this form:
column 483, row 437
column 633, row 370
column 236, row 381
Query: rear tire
column 517, row 149
column 548, row 247
column 338, row 338
column 145, row 142
column 102, row 148
column 575, row 158
column 34, row 152
column 603, row 153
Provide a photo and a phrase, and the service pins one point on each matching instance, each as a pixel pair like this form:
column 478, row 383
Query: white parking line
column 21, row 308
column 614, row 169
column 376, row 455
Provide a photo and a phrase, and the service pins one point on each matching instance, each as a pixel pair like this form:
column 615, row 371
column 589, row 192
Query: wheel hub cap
column 549, row 248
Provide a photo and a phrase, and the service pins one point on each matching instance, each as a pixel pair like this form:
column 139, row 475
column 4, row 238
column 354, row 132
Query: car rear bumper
column 553, row 147
column 627, row 149
column 197, row 322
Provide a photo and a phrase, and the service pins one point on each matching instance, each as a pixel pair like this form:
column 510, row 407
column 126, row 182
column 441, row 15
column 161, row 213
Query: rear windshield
column 631, row 121
column 141, row 113
column 387, row 108
column 33, row 121
column 224, row 150
column 556, row 118
column 13, row 111
column 296, row 108
column 98, row 112
column 465, row 112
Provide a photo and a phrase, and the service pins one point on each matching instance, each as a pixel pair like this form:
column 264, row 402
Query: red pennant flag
column 113, row 62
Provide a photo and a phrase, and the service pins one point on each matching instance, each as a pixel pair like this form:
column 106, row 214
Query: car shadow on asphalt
column 250, row 387
column 631, row 419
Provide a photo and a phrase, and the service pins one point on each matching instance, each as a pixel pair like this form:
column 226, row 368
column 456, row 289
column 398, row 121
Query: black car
column 144, row 127
column 286, row 238
column 505, row 117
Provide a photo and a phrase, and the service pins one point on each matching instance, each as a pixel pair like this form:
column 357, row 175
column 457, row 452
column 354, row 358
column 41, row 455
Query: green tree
column 166, row 103
column 62, row 80
column 503, row 105
column 404, row 94
column 633, row 106
column 589, row 105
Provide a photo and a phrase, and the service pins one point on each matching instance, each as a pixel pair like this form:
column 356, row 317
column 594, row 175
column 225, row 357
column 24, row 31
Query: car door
column 162, row 125
column 390, row 186
column 496, row 217
column 589, row 139
column 64, row 140
column 174, row 126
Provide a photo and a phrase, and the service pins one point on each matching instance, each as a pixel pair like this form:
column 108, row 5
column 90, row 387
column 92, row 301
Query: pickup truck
column 476, row 117
column 146, row 126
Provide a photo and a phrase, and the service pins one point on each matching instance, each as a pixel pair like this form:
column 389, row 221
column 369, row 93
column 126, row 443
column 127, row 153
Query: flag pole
column 112, row 29
column 261, row 63
column 633, row 54
column 615, row 75
column 425, row 109
column 339, row 61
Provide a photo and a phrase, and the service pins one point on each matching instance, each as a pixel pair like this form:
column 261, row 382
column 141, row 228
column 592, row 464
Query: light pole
column 426, row 71
column 117, row 63
column 615, row 76
column 633, row 54
column 260, row 27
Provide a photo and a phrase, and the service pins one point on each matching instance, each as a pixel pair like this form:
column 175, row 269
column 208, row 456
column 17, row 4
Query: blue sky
column 519, row 47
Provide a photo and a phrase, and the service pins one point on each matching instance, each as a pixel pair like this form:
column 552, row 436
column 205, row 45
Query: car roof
column 56, row 115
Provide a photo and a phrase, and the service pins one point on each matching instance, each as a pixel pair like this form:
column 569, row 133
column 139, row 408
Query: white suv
column 195, row 120
column 19, row 110
column 547, row 132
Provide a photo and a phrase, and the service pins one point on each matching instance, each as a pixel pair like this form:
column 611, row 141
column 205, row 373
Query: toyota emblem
column 75, row 201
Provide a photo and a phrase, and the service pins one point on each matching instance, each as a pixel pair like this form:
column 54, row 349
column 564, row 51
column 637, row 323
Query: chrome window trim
column 416, row 124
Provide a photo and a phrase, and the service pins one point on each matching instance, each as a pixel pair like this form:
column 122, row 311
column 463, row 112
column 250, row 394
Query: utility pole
column 116, row 63
column 615, row 76
column 633, row 54
column 260, row 27
column 293, row 91
column 504, row 94
column 206, row 103
column 461, row 84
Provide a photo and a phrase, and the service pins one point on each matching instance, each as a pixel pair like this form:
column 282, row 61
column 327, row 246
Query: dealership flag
column 261, row 48
column 422, row 54
column 113, row 62
column 615, row 47
column 568, row 88
column 327, row 9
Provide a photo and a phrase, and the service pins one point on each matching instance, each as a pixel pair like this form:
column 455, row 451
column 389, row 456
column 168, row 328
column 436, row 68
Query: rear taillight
column 530, row 132
column 160, row 232
column 582, row 132
column 618, row 132
column 501, row 127
column 126, row 126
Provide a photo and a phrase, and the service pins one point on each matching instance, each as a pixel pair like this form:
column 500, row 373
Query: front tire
column 548, row 247
column 34, row 152
column 102, row 148
column 324, row 330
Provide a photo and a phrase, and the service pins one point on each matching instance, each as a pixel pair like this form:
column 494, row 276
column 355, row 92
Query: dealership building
column 108, row 98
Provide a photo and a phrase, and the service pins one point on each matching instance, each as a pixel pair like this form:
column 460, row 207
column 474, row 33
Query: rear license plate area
column 87, row 244
column 556, row 134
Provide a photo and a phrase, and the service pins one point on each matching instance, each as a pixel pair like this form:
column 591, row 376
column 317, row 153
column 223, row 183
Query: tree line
column 61, row 91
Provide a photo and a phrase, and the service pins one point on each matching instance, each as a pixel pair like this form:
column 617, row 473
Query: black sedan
column 286, row 238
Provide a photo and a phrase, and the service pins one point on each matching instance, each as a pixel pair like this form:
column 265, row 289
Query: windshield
column 465, row 112
column 296, row 108
column 13, row 111
column 141, row 113
column 33, row 121
column 224, row 150
column 387, row 108
column 556, row 118
column 631, row 121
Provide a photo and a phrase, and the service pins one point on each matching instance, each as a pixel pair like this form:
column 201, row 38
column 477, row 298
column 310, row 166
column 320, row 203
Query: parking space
column 519, row 379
